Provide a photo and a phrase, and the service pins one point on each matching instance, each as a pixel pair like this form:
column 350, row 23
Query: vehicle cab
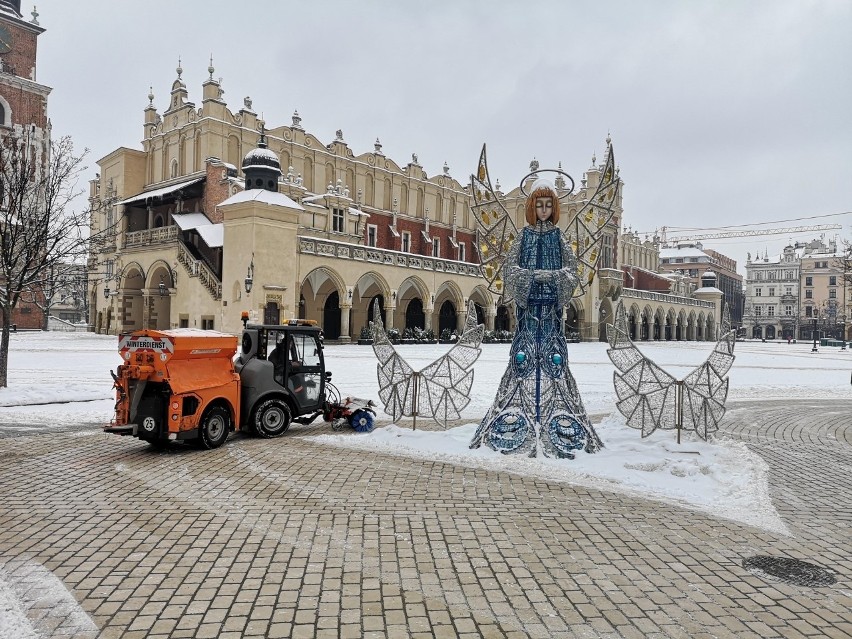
column 283, row 376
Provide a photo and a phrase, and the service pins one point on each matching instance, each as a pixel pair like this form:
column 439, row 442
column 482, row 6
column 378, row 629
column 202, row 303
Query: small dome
column 708, row 274
column 262, row 157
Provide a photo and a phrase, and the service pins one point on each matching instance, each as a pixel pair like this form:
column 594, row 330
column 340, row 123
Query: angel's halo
column 537, row 171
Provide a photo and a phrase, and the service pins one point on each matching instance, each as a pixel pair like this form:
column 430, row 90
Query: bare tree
column 39, row 230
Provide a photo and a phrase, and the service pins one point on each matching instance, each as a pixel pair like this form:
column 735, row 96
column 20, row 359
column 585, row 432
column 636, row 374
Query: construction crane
column 698, row 235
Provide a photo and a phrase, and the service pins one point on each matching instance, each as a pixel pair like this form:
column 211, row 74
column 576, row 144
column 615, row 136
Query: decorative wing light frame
column 650, row 398
column 439, row 391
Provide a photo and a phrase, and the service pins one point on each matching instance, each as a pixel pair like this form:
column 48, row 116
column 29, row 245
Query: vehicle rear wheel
column 215, row 426
column 271, row 418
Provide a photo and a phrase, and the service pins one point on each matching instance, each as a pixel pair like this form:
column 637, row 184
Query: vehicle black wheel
column 271, row 418
column 215, row 426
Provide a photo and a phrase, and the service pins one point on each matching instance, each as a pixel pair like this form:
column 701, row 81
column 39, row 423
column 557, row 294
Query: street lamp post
column 814, row 349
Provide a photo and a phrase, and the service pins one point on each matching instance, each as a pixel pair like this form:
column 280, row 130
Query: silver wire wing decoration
column 441, row 390
column 646, row 393
column 495, row 229
column 648, row 396
column 584, row 233
column 706, row 388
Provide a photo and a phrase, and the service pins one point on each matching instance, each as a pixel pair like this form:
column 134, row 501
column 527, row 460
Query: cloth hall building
column 219, row 214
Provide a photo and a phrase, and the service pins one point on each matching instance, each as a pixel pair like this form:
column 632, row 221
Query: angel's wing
column 706, row 388
column 584, row 233
column 646, row 393
column 495, row 229
column 442, row 388
column 396, row 389
column 444, row 385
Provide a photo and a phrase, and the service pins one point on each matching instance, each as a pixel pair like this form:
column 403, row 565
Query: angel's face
column 543, row 208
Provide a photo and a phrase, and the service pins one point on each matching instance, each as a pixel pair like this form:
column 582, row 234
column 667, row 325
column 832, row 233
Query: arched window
column 308, row 175
column 5, row 113
column 388, row 195
column 403, row 198
column 329, row 175
column 174, row 169
column 368, row 191
column 196, row 152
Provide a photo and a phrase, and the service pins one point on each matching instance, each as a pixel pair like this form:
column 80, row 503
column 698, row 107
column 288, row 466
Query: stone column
column 344, row 323
column 389, row 313
column 461, row 314
column 427, row 315
column 490, row 314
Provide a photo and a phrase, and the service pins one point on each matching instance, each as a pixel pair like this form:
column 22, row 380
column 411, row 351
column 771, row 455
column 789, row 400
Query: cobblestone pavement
column 105, row 536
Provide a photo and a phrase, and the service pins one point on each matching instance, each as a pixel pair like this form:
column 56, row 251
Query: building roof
column 262, row 195
column 145, row 196
column 189, row 221
column 212, row 234
column 689, row 251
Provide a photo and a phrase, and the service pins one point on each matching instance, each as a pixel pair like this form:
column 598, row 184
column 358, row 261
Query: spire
column 211, row 88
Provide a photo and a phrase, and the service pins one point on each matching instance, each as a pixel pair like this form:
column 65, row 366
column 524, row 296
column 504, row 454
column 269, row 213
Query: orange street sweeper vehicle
column 184, row 384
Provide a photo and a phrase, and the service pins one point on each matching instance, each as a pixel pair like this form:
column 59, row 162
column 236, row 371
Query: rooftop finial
column 179, row 69
column 377, row 147
column 297, row 120
column 446, row 168
column 608, row 138
column 534, row 165
column 210, row 69
column 261, row 143
column 150, row 96
column 34, row 15
column 594, row 159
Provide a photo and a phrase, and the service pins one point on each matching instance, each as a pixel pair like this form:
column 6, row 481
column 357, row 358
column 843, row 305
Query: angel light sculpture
column 538, row 407
column 650, row 398
column 442, row 389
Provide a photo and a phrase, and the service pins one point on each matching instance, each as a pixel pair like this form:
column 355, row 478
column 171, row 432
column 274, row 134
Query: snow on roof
column 189, row 221
column 212, row 234
column 707, row 289
column 266, row 154
column 682, row 252
column 144, row 196
column 358, row 212
column 262, row 195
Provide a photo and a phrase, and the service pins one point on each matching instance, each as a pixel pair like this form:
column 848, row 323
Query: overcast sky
column 721, row 113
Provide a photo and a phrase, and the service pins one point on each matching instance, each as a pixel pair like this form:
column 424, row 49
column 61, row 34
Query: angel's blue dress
column 538, row 399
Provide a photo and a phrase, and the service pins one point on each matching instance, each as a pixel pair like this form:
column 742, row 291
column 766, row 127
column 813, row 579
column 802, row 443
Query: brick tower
column 23, row 102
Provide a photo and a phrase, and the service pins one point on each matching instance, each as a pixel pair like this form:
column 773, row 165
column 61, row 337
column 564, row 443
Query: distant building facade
column 693, row 260
column 786, row 293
